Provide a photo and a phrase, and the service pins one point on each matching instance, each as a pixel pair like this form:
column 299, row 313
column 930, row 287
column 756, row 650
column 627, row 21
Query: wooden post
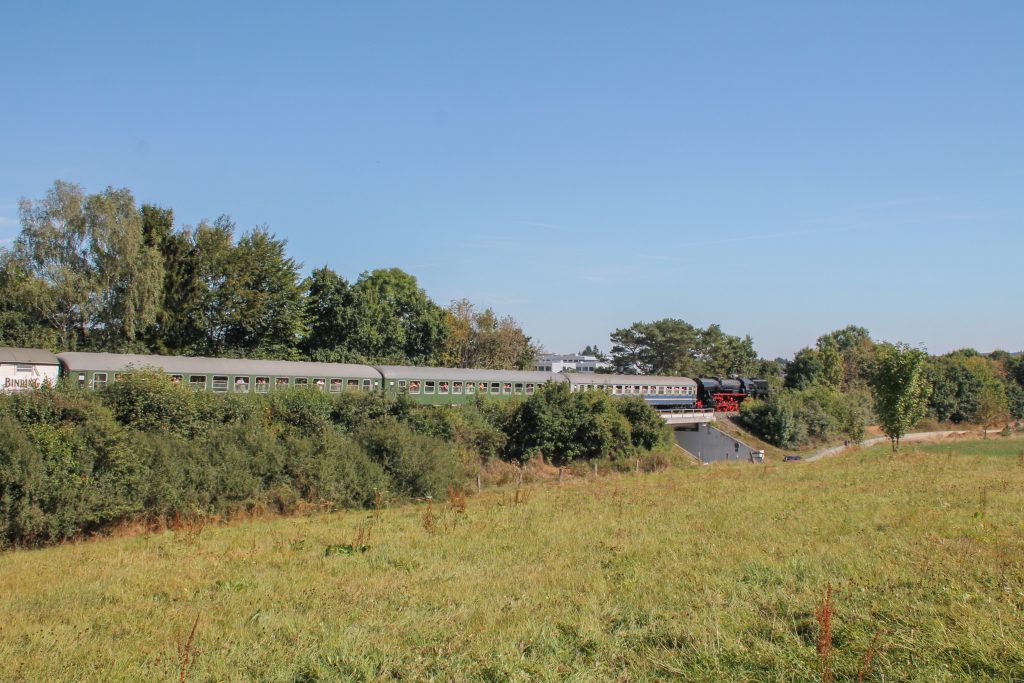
column 595, row 468
column 479, row 487
column 638, row 465
column 559, row 475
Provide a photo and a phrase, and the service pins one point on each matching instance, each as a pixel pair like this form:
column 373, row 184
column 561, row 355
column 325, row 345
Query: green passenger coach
column 221, row 375
column 452, row 386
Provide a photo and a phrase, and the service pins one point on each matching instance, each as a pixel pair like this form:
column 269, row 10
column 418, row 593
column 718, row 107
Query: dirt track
column 917, row 436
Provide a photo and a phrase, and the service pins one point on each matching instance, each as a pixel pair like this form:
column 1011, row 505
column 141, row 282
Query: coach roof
column 213, row 366
column 12, row 354
column 601, row 378
column 394, row 372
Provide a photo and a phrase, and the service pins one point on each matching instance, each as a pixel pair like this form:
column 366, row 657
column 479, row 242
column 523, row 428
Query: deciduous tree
column 393, row 320
column 901, row 389
column 482, row 339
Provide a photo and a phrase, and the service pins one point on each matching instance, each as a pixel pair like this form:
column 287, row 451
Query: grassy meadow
column 698, row 573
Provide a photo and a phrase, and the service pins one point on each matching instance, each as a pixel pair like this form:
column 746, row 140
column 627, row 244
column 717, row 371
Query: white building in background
column 568, row 362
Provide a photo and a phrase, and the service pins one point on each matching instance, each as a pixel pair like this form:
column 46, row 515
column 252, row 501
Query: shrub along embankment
column 75, row 462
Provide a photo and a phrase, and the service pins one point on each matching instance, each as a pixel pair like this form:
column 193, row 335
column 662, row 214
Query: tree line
column 847, row 381
column 96, row 272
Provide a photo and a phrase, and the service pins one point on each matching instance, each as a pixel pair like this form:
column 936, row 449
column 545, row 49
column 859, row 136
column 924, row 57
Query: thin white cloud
column 537, row 224
column 774, row 236
column 5, row 221
column 889, row 203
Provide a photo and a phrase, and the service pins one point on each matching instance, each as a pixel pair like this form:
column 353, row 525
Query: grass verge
column 914, row 564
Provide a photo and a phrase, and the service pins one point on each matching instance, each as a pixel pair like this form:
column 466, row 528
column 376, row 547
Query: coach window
column 220, row 383
column 529, row 388
column 506, row 388
column 519, row 388
column 302, row 381
column 442, row 388
column 456, row 387
column 176, row 379
column 414, row 386
column 197, row 381
column 402, row 385
column 241, row 385
column 336, row 385
column 320, row 383
column 470, row 387
column 262, row 385
column 617, row 390
column 428, row 387
column 99, row 379
column 281, row 382
column 366, row 385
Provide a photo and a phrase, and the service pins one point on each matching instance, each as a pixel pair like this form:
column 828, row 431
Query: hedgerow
column 74, row 462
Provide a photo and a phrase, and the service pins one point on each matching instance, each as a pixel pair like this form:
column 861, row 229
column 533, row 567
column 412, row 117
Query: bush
column 304, row 409
column 149, row 401
column 648, row 430
column 63, row 477
column 417, row 465
column 333, row 468
column 352, row 410
column 475, row 434
column 794, row 418
column 567, row 426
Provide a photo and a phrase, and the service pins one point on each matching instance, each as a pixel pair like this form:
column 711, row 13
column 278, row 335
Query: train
column 22, row 368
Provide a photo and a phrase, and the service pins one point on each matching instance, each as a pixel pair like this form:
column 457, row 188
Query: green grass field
column 701, row 573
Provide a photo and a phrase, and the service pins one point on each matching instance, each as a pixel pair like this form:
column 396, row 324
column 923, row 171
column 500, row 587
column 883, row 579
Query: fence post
column 559, row 475
column 595, row 468
column 479, row 487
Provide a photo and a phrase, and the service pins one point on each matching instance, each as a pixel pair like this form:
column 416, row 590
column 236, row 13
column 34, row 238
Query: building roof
column 109, row 362
column 13, row 354
column 566, row 357
column 395, row 372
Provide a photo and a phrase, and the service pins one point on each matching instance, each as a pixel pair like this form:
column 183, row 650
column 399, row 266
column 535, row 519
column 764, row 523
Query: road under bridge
column 707, row 444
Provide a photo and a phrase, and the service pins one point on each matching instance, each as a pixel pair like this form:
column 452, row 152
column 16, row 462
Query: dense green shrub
column 150, row 401
column 567, row 426
column 475, row 434
column 305, row 409
column 72, row 474
column 74, row 461
column 333, row 468
column 352, row 410
column 794, row 418
column 418, row 465
column 647, row 428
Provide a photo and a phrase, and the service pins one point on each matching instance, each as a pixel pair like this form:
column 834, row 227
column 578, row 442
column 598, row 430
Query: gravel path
column 916, row 436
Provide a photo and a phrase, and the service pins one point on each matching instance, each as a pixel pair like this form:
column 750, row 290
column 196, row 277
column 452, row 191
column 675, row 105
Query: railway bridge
column 685, row 417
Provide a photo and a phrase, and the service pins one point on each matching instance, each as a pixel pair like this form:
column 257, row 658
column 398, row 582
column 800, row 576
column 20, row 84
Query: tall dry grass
column 704, row 574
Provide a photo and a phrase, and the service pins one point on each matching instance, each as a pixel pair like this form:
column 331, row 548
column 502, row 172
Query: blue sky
column 782, row 169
